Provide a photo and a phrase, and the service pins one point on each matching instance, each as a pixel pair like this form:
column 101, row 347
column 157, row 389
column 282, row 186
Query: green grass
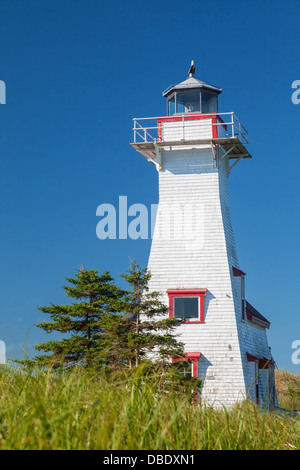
column 288, row 389
column 81, row 410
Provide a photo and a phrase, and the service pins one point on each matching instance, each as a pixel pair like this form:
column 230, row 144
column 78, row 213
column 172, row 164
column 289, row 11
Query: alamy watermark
column 296, row 353
column 181, row 222
column 2, row 92
column 296, row 94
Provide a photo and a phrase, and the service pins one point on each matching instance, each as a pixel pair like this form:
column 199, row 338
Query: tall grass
column 83, row 410
column 288, row 389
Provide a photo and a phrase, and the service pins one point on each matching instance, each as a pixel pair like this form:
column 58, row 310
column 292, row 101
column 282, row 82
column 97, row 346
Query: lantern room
column 192, row 96
column 192, row 120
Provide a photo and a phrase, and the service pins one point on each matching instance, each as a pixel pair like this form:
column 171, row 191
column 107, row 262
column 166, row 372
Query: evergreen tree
column 94, row 295
column 143, row 330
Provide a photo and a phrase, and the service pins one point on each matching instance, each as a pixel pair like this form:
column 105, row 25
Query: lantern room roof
column 191, row 83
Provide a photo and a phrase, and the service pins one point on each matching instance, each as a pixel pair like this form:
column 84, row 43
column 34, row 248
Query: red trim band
column 263, row 362
column 238, row 272
column 256, row 320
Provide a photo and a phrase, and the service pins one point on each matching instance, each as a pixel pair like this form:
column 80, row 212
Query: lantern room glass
column 192, row 102
column 209, row 103
column 186, row 307
column 188, row 102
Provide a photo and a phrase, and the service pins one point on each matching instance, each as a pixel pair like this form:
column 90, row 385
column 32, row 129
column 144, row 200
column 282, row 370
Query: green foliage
column 143, row 328
column 94, row 295
column 109, row 326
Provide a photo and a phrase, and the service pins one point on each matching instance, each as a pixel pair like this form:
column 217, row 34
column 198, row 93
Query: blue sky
column 76, row 73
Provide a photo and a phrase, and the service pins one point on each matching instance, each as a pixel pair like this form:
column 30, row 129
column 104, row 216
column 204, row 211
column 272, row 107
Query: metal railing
column 231, row 126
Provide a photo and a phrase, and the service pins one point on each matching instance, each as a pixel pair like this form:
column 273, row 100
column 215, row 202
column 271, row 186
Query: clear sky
column 76, row 73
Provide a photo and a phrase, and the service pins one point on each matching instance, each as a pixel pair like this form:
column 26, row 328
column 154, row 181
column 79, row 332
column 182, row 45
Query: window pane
column 243, row 310
column 243, row 297
column 209, row 103
column 188, row 102
column 186, row 307
column 184, row 368
column 171, row 105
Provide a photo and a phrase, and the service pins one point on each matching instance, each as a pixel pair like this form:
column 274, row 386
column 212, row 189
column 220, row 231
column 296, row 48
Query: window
column 243, row 297
column 188, row 102
column 259, row 363
column 187, row 304
column 192, row 101
column 257, row 382
column 209, row 103
column 188, row 365
column 172, row 104
column 239, row 273
column 184, row 368
column 186, row 307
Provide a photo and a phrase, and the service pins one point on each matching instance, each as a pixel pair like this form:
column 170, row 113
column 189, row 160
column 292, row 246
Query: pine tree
column 143, row 330
column 94, row 295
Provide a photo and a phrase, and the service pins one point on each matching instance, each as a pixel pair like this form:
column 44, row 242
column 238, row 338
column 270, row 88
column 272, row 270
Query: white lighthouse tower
column 193, row 258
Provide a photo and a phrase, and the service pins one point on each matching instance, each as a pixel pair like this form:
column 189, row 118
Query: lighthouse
column 193, row 258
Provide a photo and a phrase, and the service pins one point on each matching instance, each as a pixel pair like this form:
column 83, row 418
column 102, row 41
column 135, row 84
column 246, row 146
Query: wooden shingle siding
column 191, row 177
column 177, row 130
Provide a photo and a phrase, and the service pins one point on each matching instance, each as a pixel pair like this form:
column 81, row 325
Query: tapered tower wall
column 193, row 178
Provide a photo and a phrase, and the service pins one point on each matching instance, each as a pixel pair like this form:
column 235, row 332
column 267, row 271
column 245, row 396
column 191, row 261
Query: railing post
column 183, row 126
column 145, row 135
column 232, row 125
column 134, row 131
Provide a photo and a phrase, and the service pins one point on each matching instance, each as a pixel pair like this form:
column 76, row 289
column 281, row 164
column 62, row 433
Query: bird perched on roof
column 192, row 69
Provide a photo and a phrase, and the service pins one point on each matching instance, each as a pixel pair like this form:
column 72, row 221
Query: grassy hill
column 288, row 389
column 81, row 410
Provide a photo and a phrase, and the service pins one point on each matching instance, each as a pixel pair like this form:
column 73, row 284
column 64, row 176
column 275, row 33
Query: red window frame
column 187, row 293
column 191, row 356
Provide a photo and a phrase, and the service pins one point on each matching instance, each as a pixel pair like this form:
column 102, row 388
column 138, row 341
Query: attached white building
column 193, row 258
